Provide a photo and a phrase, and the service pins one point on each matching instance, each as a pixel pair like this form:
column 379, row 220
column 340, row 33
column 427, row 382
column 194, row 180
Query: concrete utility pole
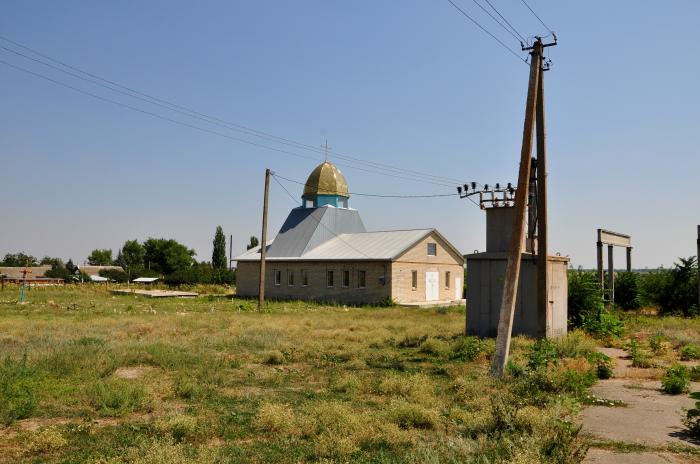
column 611, row 275
column 512, row 275
column 263, row 243
column 542, row 245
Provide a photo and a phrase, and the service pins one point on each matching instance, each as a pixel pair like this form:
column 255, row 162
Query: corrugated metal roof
column 384, row 245
column 145, row 279
column 307, row 228
column 15, row 272
column 368, row 245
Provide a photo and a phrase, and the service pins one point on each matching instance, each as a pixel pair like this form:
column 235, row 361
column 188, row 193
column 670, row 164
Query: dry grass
column 109, row 379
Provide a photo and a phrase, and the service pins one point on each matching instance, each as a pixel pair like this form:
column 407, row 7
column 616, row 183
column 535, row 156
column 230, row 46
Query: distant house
column 323, row 252
column 35, row 276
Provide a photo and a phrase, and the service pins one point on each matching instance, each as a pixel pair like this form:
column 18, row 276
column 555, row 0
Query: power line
column 155, row 115
column 497, row 21
column 535, row 14
column 319, row 221
column 181, row 123
column 130, row 92
column 465, row 14
column 507, row 22
column 377, row 195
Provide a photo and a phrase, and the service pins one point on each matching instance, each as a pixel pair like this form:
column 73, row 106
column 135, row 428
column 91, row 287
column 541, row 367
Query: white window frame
column 414, row 280
column 434, row 247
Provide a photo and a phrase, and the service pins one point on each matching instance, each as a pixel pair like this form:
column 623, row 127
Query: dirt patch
column 133, row 372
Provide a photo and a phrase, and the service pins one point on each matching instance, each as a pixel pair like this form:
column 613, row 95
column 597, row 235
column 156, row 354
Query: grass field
column 90, row 377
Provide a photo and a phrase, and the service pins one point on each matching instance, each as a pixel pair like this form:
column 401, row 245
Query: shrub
column 412, row 416
column 692, row 417
column 604, row 324
column 652, row 286
column 275, row 418
column 690, row 352
column 116, row 397
column 676, row 380
column 674, row 291
column 657, row 344
column 187, row 387
column 273, row 358
column 626, row 290
column 695, row 374
column 467, row 348
column 585, row 296
column 345, row 383
column 179, row 427
column 543, row 352
column 417, row 388
column 435, row 347
column 639, row 358
column 115, row 275
column 45, row 440
column 604, row 367
column 18, row 390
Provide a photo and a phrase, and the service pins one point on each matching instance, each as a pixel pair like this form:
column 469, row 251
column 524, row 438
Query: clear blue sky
column 410, row 83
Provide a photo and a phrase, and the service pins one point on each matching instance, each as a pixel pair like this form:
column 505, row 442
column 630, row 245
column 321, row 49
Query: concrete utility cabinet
column 485, row 274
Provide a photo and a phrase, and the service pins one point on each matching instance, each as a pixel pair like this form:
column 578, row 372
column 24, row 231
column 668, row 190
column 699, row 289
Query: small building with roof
column 323, row 252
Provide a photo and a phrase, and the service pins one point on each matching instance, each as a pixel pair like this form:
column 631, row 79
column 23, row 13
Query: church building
column 323, row 252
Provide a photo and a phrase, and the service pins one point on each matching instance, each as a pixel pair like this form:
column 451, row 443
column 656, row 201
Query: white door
column 458, row 288
column 432, row 286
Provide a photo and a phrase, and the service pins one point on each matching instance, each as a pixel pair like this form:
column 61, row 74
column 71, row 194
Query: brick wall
column 417, row 259
column 373, row 292
column 397, row 275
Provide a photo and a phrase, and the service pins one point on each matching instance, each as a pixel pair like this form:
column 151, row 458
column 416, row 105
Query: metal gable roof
column 380, row 246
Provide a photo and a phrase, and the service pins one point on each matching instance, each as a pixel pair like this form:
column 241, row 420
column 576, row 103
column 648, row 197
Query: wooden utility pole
column 263, row 243
column 542, row 274
column 512, row 276
column 230, row 252
column 698, row 259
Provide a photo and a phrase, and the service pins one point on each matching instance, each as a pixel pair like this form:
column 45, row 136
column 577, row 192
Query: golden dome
column 326, row 179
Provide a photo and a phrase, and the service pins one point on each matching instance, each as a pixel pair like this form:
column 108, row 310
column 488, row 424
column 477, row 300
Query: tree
column 218, row 257
column 100, row 257
column 253, row 242
column 681, row 294
column 53, row 262
column 19, row 260
column 132, row 254
column 71, row 267
column 167, row 256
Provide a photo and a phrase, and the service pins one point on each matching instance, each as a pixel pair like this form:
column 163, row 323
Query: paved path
column 651, row 418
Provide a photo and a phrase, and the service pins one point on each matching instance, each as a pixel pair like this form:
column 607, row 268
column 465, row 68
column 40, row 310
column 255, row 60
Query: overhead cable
column 124, row 90
column 536, row 16
column 465, row 14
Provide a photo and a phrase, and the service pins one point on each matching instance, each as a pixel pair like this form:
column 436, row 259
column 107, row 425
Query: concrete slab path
column 650, row 418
